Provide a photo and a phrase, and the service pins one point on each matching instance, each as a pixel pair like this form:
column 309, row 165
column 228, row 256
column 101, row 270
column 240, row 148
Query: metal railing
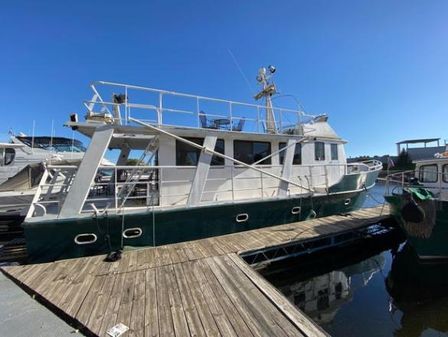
column 396, row 182
column 169, row 108
column 169, row 186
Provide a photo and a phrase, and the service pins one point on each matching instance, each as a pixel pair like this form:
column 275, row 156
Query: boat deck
column 196, row 288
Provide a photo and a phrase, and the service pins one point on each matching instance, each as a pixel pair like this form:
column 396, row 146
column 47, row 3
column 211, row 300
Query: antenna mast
column 267, row 92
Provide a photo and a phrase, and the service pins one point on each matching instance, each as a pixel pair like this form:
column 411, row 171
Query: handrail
column 159, row 107
column 403, row 180
column 128, row 167
column 174, row 93
column 152, row 190
column 151, row 186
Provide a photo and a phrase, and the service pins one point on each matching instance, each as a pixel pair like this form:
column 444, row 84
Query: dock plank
column 151, row 305
column 72, row 298
column 127, row 297
column 191, row 313
column 177, row 310
column 208, row 322
column 99, row 307
column 256, row 320
column 137, row 324
column 230, row 310
column 274, row 318
column 113, row 303
column 61, row 281
column 308, row 327
column 224, row 325
column 85, row 309
column 166, row 324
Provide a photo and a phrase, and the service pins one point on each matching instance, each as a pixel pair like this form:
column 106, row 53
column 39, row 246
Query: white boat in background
column 24, row 150
column 23, row 160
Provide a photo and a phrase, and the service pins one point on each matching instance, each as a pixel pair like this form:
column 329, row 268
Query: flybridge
column 123, row 104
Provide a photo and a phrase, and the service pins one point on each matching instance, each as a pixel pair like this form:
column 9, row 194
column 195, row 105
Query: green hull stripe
column 52, row 240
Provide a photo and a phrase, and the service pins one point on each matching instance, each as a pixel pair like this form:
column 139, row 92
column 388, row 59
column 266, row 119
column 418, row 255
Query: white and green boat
column 207, row 167
column 419, row 202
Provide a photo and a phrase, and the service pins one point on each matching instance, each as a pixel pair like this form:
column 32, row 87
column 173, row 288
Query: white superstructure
column 198, row 150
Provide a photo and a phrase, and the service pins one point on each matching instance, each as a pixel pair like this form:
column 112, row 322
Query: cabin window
column 187, row 155
column 428, row 173
column 251, row 152
column 334, row 152
column 319, row 151
column 58, row 144
column 297, row 154
column 445, row 173
column 10, row 154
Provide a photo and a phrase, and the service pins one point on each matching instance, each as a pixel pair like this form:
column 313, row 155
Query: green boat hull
column 54, row 239
column 435, row 246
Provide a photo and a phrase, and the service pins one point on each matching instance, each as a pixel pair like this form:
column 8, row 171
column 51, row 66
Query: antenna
column 241, row 71
column 73, row 144
column 52, row 133
column 51, row 140
column 32, row 136
column 268, row 89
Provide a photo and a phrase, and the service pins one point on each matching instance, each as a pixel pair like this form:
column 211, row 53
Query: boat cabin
column 433, row 175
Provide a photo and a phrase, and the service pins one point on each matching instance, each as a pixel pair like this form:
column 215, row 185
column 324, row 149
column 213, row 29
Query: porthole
column 295, row 210
column 347, row 201
column 85, row 239
column 132, row 233
column 243, row 217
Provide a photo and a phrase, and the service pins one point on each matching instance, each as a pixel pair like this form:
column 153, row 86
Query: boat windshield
column 58, row 144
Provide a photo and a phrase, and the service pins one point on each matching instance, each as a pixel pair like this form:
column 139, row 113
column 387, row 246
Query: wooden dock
column 196, row 288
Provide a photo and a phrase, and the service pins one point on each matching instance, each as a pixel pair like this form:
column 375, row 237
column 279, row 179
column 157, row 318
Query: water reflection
column 419, row 292
column 322, row 296
column 371, row 290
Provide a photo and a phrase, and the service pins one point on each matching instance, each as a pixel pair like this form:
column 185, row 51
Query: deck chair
column 205, row 122
column 239, row 126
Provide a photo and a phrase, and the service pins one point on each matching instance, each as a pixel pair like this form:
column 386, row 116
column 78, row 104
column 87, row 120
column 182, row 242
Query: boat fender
column 113, row 256
column 411, row 212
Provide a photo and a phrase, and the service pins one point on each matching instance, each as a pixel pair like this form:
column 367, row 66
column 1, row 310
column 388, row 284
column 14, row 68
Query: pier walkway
column 196, row 288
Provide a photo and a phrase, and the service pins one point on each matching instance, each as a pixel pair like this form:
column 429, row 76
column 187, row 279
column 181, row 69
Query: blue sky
column 379, row 68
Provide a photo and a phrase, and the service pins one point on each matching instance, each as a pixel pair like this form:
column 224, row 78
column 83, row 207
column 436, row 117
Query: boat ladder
column 133, row 178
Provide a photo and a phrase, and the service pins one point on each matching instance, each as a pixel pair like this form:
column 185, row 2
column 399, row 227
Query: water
column 375, row 196
column 369, row 289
